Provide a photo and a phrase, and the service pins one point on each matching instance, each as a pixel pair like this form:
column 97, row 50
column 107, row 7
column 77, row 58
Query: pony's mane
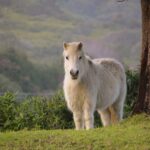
column 89, row 59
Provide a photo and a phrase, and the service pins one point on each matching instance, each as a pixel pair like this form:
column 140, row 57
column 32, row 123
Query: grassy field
column 132, row 133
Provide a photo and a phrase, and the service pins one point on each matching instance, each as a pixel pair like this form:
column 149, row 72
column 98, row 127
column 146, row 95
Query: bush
column 8, row 111
column 42, row 113
column 132, row 91
column 34, row 112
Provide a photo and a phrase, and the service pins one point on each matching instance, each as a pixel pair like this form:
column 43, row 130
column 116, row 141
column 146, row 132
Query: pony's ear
column 80, row 45
column 65, row 45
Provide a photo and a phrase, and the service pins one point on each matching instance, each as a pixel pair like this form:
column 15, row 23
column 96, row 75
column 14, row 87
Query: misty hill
column 18, row 74
column 37, row 28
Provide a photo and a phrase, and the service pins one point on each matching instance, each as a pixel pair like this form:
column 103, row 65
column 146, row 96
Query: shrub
column 132, row 91
column 43, row 113
column 34, row 112
column 8, row 111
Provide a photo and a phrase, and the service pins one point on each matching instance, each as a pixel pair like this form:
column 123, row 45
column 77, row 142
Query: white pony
column 89, row 85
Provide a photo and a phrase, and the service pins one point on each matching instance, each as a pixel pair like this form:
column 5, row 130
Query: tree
column 143, row 102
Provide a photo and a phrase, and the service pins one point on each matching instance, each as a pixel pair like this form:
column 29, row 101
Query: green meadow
column 131, row 134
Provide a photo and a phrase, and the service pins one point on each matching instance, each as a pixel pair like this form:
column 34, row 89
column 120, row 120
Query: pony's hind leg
column 105, row 116
column 114, row 115
column 117, row 109
column 117, row 106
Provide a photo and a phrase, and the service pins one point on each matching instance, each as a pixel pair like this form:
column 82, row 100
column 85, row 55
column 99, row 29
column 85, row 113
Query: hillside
column 19, row 75
column 40, row 27
column 37, row 28
column 132, row 133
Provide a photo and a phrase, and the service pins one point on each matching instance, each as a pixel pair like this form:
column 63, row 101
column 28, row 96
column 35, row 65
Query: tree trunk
column 143, row 102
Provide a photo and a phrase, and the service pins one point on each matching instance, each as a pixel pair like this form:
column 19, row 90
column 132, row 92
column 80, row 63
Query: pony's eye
column 67, row 57
column 80, row 57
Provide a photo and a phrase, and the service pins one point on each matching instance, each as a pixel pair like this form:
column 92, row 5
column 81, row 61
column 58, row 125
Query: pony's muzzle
column 74, row 73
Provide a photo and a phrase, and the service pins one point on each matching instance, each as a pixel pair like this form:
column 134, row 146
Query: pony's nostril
column 77, row 72
column 74, row 73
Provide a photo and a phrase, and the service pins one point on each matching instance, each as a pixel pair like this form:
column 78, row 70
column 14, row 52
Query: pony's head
column 74, row 60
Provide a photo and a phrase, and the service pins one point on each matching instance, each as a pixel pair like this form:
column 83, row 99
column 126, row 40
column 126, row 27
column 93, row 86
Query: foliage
column 43, row 113
column 8, row 111
column 34, row 112
column 132, row 91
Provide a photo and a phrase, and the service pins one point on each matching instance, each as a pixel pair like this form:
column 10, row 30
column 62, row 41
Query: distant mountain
column 38, row 28
column 18, row 74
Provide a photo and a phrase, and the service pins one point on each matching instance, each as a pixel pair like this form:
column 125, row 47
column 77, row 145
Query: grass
column 132, row 133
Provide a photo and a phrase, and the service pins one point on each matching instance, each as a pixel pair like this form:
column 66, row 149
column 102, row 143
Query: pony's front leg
column 78, row 120
column 88, row 119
